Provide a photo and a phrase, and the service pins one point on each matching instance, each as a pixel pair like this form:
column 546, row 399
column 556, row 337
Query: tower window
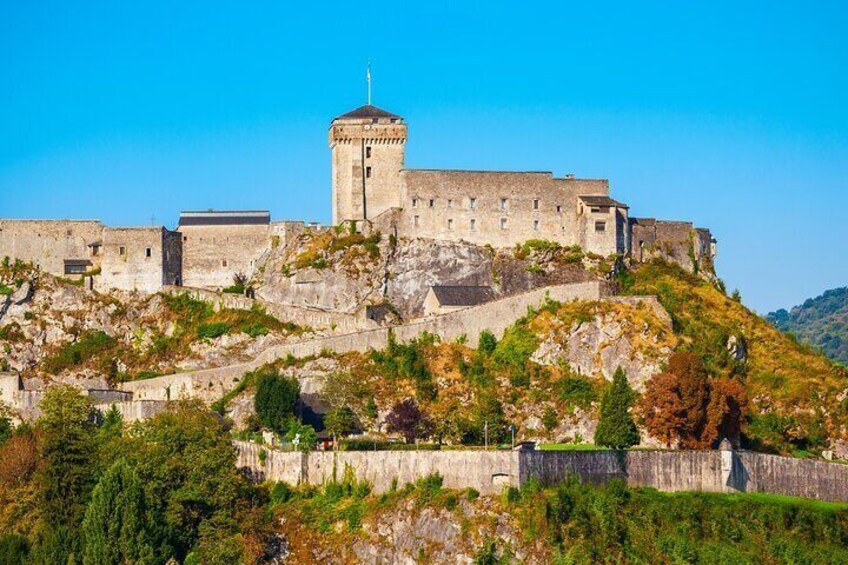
column 535, row 225
column 559, row 209
column 122, row 250
column 148, row 252
column 223, row 262
column 472, row 224
column 432, row 202
column 600, row 226
column 503, row 203
column 368, row 172
column 472, row 203
column 415, row 221
column 536, row 204
column 503, row 223
column 450, row 202
column 368, row 152
column 415, row 203
column 450, row 224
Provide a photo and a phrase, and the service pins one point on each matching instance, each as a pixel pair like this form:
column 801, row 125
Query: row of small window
column 472, row 203
column 122, row 250
column 472, row 224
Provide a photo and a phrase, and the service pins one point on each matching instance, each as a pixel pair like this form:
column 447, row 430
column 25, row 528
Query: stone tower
column 367, row 145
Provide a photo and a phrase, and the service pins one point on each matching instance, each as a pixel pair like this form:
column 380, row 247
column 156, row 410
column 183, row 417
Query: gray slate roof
column 463, row 295
column 368, row 111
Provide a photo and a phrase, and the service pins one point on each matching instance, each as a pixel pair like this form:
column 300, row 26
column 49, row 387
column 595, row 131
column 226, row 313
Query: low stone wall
column 211, row 384
column 336, row 321
column 490, row 471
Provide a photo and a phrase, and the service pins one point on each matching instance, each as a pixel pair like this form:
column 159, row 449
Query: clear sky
column 730, row 114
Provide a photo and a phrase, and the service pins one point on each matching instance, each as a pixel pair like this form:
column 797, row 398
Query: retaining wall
column 337, row 321
column 211, row 384
column 490, row 471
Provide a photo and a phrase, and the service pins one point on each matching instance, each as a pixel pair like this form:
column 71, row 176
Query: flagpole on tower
column 368, row 80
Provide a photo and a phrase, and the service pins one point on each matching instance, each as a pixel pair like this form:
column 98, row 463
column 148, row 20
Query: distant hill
column 820, row 321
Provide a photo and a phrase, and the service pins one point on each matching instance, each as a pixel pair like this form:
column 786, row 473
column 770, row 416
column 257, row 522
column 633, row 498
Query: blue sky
column 729, row 114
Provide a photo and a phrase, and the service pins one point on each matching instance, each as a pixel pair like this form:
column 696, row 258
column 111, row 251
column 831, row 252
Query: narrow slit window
column 450, row 202
column 536, row 204
column 415, row 221
column 432, row 202
column 415, row 203
column 368, row 152
column 450, row 224
column 472, row 224
column 122, row 250
column 503, row 223
column 472, row 203
column 148, row 252
column 223, row 262
column 535, row 225
column 368, row 172
column 503, row 204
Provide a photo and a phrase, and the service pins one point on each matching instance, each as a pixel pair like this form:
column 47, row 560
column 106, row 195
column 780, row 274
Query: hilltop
column 821, row 322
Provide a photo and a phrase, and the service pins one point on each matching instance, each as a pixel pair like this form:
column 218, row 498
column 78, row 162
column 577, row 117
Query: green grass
column 569, row 447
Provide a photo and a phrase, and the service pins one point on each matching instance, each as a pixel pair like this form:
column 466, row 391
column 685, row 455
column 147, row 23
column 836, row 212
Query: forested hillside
column 821, row 321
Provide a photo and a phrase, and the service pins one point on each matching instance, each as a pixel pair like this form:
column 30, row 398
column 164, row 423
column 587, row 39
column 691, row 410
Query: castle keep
column 372, row 189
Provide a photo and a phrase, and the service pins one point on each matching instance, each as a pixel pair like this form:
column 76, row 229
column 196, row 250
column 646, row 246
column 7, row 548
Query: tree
column 684, row 405
column 14, row 549
column 116, row 526
column 341, row 421
column 275, row 399
column 407, row 419
column 68, row 451
column 616, row 428
column 304, row 433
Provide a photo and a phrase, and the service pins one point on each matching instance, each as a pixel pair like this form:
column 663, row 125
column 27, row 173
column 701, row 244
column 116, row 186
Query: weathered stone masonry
column 490, row 471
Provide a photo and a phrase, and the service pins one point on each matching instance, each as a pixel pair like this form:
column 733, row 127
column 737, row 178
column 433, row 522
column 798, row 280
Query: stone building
column 442, row 299
column 219, row 244
column 483, row 207
column 140, row 258
column 690, row 247
column 57, row 247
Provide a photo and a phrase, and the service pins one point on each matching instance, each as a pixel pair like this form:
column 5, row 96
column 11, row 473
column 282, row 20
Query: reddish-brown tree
column 684, row 405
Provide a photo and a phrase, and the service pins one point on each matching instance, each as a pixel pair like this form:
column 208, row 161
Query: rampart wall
column 212, row 254
column 496, row 316
column 490, row 471
column 312, row 317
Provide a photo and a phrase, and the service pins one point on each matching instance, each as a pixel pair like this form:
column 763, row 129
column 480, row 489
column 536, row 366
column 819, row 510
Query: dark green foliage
column 116, row 528
column 513, row 352
column 275, row 399
column 487, row 342
column 213, row 330
column 341, row 421
column 576, row 391
column 615, row 524
column 615, row 427
column 14, row 549
column 87, row 346
column 821, row 322
column 408, row 361
column 68, row 454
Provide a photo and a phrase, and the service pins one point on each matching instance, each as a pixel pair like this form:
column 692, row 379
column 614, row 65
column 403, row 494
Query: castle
column 371, row 189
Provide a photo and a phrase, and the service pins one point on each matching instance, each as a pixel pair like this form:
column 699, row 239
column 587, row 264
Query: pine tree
column 116, row 527
column 616, row 428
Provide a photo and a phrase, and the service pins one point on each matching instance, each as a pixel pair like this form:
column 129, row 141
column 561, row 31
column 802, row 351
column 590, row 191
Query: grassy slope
column 794, row 390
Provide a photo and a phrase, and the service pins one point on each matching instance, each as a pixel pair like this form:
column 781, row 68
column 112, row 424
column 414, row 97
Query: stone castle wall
column 47, row 243
column 499, row 208
column 679, row 242
column 314, row 318
column 496, row 316
column 490, row 471
column 141, row 259
column 212, row 254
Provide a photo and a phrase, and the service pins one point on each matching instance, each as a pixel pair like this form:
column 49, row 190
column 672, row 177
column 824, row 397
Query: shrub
column 487, row 343
column 407, row 419
column 90, row 344
column 576, row 391
column 212, row 330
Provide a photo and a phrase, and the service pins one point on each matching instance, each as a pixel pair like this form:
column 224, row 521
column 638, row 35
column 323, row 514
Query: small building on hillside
column 444, row 299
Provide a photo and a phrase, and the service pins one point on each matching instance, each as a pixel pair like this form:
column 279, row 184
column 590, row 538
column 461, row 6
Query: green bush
column 213, row 330
column 576, row 391
column 275, row 399
column 89, row 345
